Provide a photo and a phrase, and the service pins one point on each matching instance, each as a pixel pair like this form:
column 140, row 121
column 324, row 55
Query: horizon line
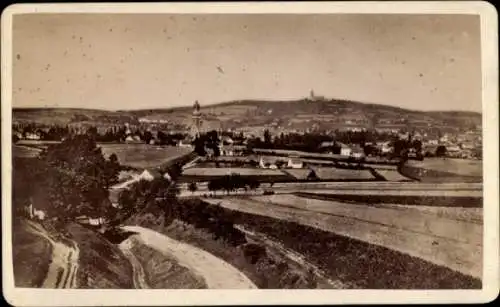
column 256, row 100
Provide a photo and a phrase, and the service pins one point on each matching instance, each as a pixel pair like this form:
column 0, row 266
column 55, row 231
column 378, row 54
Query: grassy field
column 24, row 152
column 330, row 173
column 456, row 166
column 32, row 255
column 101, row 265
column 142, row 155
column 391, row 175
column 444, row 170
column 471, row 215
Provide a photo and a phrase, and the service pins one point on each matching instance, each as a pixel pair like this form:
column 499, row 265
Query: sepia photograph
column 194, row 147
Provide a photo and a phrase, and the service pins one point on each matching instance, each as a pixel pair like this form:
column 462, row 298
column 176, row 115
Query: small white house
column 32, row 136
column 90, row 221
column 344, row 149
column 35, row 213
column 150, row 174
column 295, row 163
column 385, row 147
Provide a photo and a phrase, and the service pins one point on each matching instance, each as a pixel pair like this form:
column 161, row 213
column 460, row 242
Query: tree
column 441, row 151
column 78, row 176
column 253, row 184
column 127, row 201
column 199, row 147
column 213, row 186
column 312, row 175
column 267, row 137
column 192, row 187
column 147, row 137
column 280, row 163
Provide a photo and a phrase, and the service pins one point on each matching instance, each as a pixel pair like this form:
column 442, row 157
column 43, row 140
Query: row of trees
column 230, row 183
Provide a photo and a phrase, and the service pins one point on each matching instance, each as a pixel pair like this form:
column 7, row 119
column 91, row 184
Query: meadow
column 460, row 167
column 143, row 156
column 331, row 173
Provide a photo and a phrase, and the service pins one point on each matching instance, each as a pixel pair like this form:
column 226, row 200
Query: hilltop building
column 313, row 97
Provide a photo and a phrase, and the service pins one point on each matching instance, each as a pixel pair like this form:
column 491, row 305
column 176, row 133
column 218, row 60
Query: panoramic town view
column 264, row 151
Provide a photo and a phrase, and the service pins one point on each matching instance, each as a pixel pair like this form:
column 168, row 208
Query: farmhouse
column 133, row 139
column 150, row 174
column 344, row 149
column 226, row 150
column 90, row 221
column 264, row 163
column 295, row 163
column 34, row 213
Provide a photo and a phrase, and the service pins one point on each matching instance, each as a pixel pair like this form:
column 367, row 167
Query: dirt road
column 139, row 277
column 217, row 273
column 64, row 266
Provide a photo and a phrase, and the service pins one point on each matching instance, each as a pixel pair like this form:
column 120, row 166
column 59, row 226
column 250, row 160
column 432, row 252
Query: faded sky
column 426, row 62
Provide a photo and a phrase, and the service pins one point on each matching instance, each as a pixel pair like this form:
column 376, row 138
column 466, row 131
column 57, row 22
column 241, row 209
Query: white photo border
column 80, row 297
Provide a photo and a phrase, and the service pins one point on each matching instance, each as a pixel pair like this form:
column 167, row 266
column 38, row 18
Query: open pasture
column 462, row 167
column 331, row 173
column 391, row 175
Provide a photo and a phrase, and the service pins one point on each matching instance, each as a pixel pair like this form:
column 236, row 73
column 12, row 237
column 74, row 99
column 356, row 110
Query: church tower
column 196, row 124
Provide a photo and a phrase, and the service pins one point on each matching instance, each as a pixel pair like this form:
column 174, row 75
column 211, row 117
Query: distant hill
column 296, row 114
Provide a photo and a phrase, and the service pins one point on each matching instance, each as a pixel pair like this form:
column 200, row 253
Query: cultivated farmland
column 424, row 235
column 205, row 174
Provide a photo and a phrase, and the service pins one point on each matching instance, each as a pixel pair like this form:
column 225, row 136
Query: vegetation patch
column 32, row 255
column 163, row 272
column 422, row 200
column 208, row 228
column 102, row 265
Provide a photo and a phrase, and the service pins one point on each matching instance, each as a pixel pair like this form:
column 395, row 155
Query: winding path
column 139, row 277
column 64, row 265
column 217, row 273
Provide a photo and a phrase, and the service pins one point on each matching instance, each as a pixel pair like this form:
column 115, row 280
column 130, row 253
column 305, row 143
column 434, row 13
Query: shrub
column 253, row 252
